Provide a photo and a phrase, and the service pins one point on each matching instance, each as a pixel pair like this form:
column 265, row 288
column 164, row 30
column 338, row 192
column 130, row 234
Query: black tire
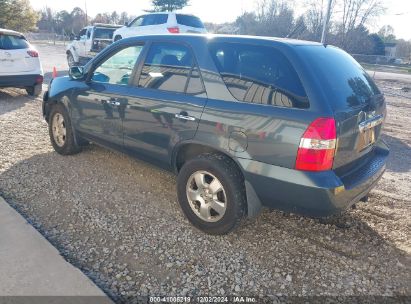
column 230, row 177
column 70, row 60
column 35, row 90
column 69, row 147
column 117, row 38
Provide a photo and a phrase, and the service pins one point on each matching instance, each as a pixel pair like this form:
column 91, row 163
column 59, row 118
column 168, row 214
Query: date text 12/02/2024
column 205, row 299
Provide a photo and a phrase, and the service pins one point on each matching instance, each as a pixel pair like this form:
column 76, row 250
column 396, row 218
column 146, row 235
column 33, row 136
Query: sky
column 398, row 13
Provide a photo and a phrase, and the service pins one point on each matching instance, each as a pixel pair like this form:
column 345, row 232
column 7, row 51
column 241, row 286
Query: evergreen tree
column 168, row 5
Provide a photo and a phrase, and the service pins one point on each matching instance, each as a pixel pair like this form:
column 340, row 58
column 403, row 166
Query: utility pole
column 326, row 20
column 85, row 6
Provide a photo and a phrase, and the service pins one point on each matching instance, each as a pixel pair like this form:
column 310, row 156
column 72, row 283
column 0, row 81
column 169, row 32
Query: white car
column 20, row 65
column 161, row 23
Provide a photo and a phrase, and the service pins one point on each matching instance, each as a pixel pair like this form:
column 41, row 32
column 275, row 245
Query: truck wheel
column 61, row 131
column 117, row 38
column 35, row 90
column 211, row 193
column 70, row 60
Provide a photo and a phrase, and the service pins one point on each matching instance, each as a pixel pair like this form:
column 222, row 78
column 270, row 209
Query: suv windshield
column 12, row 42
column 347, row 84
column 188, row 20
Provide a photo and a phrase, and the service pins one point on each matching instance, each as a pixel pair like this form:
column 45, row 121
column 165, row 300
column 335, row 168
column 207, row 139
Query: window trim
column 136, row 79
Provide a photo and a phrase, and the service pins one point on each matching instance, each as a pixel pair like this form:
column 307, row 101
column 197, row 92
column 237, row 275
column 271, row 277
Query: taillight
column 317, row 146
column 33, row 53
column 174, row 30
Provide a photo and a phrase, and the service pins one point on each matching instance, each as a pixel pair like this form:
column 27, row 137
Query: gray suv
column 245, row 122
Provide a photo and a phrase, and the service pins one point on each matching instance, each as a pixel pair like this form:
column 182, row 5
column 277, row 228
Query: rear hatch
column 190, row 24
column 14, row 58
column 358, row 105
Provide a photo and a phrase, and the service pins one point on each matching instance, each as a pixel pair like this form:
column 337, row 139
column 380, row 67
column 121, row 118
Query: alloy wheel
column 206, row 196
column 59, row 129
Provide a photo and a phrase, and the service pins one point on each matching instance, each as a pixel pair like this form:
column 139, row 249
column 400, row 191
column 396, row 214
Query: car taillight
column 39, row 79
column 317, row 146
column 174, row 30
column 33, row 53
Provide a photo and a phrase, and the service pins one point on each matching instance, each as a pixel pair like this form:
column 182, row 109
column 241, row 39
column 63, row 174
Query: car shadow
column 88, row 203
column 12, row 99
column 400, row 154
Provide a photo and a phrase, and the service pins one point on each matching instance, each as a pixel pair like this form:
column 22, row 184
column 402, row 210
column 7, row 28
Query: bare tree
column 277, row 17
column 387, row 33
column 115, row 18
column 272, row 18
column 314, row 18
column 404, row 49
column 355, row 14
column 123, row 18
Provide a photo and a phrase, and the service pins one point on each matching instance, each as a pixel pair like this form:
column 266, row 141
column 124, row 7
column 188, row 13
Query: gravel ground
column 118, row 220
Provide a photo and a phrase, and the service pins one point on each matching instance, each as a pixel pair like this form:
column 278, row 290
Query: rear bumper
column 317, row 194
column 19, row 81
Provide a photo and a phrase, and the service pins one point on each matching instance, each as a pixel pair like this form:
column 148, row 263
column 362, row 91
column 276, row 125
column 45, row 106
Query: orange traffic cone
column 54, row 72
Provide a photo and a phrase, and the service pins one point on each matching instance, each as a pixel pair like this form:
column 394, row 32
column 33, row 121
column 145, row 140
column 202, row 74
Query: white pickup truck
column 90, row 41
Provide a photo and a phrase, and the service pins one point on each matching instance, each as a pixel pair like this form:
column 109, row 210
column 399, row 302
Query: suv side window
column 137, row 22
column 171, row 67
column 259, row 74
column 188, row 20
column 155, row 19
column 82, row 34
column 119, row 67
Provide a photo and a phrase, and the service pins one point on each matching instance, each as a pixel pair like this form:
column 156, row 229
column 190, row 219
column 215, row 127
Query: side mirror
column 76, row 72
column 126, row 23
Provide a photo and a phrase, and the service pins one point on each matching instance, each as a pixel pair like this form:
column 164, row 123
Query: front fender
column 60, row 90
column 72, row 49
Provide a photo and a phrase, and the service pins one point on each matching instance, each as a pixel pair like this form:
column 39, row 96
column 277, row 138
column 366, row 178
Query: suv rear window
column 259, row 74
column 155, row 19
column 104, row 33
column 347, row 84
column 12, row 42
column 188, row 20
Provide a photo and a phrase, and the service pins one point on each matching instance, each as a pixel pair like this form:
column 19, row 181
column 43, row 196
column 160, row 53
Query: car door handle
column 185, row 117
